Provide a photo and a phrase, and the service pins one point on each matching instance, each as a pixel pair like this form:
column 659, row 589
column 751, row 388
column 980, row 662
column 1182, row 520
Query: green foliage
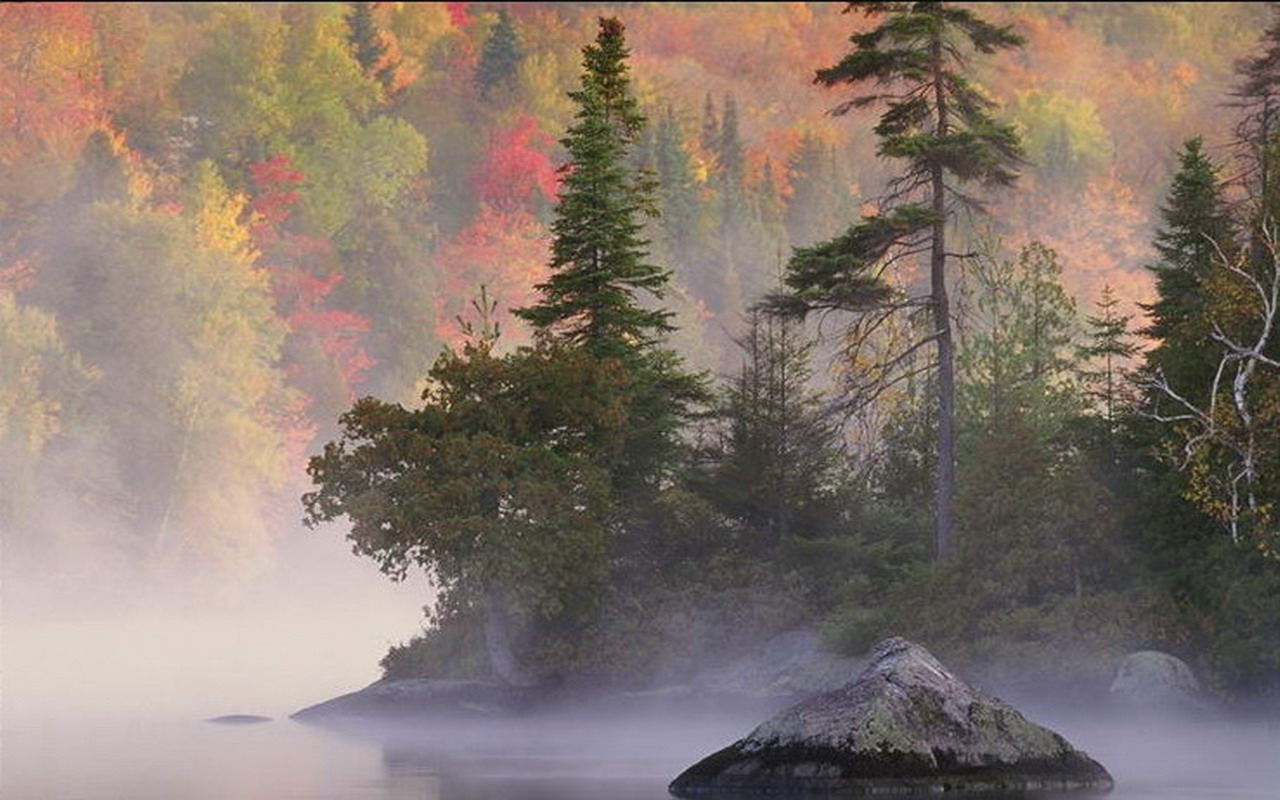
column 941, row 126
column 362, row 35
column 1109, row 344
column 815, row 209
column 778, row 468
column 452, row 648
column 940, row 121
column 1015, row 347
column 1064, row 134
column 598, row 263
column 494, row 482
column 41, row 379
column 598, row 257
column 182, row 407
column 1196, row 233
column 271, row 83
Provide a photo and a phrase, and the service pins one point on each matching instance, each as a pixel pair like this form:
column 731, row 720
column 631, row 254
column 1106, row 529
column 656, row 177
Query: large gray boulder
column 1156, row 681
column 905, row 725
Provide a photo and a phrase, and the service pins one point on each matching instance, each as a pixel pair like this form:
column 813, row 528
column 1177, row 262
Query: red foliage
column 290, row 415
column 505, row 252
column 324, row 343
column 274, row 180
column 337, row 333
column 513, row 167
column 459, row 14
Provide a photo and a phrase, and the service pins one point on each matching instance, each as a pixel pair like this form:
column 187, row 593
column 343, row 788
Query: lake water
column 599, row 759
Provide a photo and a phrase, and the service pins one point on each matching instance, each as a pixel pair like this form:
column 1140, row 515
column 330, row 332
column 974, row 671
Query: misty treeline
column 225, row 223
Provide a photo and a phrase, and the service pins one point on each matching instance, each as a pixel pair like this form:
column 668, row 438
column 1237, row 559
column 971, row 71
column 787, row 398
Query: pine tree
column 1197, row 231
column 812, row 214
column 682, row 213
column 367, row 44
column 1258, row 97
column 599, row 260
column 362, row 35
column 501, row 57
column 941, row 126
column 710, row 136
column 729, row 144
column 781, row 451
column 1108, row 341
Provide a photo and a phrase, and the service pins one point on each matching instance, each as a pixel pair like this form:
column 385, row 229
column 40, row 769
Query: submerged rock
column 905, row 725
column 238, row 719
column 790, row 665
column 1151, row 680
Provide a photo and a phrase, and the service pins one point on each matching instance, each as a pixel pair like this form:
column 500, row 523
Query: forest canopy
column 495, row 272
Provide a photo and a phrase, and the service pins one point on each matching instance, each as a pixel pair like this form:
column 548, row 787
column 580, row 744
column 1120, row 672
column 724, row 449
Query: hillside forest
column 651, row 331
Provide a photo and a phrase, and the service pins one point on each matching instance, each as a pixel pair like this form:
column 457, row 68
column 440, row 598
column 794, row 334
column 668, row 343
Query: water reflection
column 621, row 758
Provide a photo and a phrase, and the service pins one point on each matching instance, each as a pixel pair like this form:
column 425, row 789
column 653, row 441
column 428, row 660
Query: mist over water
column 108, row 701
column 124, row 649
column 104, row 692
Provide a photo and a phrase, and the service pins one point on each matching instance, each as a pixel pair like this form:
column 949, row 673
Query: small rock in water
column 238, row 719
column 905, row 725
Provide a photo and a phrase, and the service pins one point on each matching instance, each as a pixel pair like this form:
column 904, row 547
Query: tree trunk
column 946, row 470
column 497, row 641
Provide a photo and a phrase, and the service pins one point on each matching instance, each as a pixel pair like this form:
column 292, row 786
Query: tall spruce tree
column 941, row 126
column 814, row 206
column 599, row 259
column 362, row 34
column 1197, row 231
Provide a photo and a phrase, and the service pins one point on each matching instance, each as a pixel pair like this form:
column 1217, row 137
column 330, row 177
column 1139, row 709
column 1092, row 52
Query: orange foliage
column 507, row 252
column 51, row 87
column 1103, row 236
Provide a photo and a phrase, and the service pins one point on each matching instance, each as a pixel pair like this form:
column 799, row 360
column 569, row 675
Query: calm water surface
column 599, row 759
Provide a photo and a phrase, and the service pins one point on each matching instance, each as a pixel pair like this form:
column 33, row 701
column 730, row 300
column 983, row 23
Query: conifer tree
column 812, row 212
column 682, row 212
column 1108, row 341
column 940, row 125
column 1258, row 97
column 710, row 136
column 600, row 270
column 367, row 44
column 1197, row 230
column 362, row 34
column 781, row 448
column 729, row 145
column 598, row 258
column 501, row 57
